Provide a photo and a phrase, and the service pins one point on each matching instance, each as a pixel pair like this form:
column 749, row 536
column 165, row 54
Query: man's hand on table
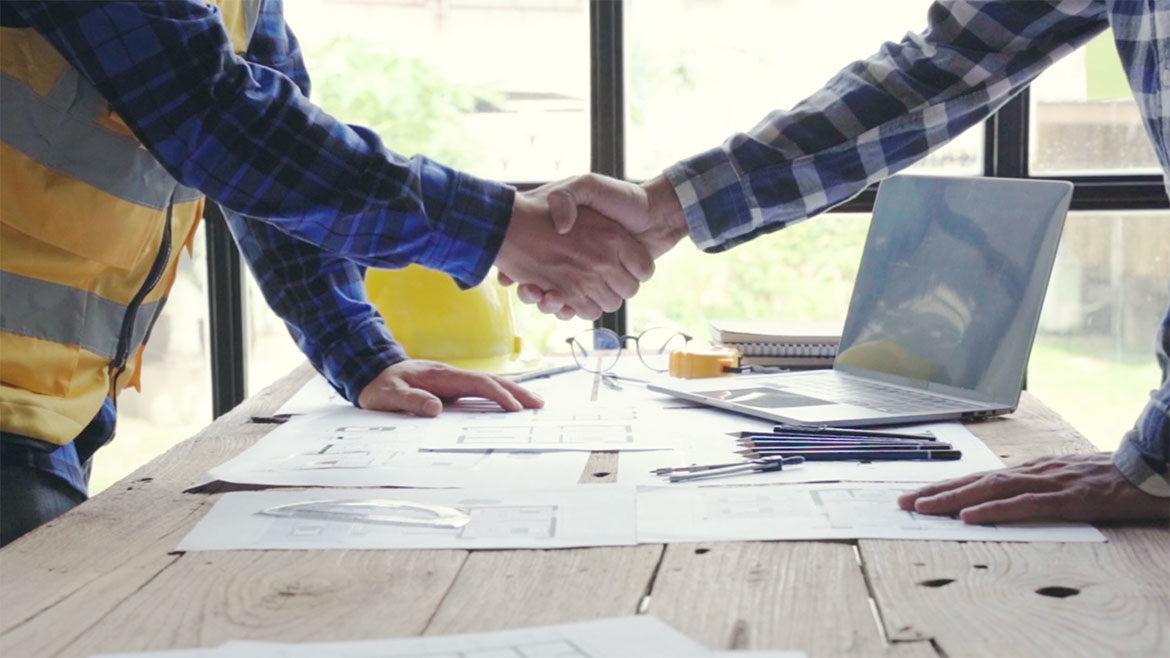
column 1067, row 488
column 419, row 387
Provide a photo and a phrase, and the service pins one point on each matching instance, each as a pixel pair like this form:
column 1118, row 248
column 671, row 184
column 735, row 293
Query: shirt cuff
column 719, row 205
column 471, row 217
column 354, row 362
column 1145, row 452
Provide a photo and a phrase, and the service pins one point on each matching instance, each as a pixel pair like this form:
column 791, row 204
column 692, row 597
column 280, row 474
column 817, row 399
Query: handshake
column 581, row 246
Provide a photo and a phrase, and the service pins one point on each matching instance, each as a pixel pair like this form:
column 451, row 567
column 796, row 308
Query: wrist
column 665, row 208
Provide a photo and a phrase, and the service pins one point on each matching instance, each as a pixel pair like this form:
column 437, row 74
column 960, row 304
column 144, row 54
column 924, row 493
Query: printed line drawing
column 545, row 434
column 484, row 522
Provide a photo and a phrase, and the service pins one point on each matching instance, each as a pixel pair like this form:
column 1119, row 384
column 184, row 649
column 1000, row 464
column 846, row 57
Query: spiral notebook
column 784, row 343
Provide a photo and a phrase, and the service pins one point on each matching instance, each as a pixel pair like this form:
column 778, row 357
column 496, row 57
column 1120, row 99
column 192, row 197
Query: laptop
column 943, row 312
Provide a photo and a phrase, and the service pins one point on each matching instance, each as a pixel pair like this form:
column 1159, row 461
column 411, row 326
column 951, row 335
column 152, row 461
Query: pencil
column 858, row 455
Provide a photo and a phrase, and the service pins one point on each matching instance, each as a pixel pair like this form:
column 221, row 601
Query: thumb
column 562, row 206
column 621, row 201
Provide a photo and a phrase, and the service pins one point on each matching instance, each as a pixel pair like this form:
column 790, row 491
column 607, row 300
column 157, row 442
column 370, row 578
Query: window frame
column 1006, row 136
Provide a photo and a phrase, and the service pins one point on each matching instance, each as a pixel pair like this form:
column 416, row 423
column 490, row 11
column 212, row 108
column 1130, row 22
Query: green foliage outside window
column 410, row 105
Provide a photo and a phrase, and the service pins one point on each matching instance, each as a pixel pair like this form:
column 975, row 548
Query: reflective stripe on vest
column 82, row 212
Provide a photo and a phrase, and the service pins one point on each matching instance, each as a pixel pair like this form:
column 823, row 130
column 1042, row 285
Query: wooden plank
column 1032, row 431
column 208, row 598
column 509, row 589
column 66, row 575
column 1051, row 599
column 809, row 596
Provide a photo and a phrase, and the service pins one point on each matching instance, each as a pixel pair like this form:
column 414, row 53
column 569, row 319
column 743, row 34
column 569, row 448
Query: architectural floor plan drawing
column 582, row 427
column 817, row 511
column 595, row 515
column 345, row 446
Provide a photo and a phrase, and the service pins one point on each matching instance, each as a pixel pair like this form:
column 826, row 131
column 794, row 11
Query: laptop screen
column 950, row 286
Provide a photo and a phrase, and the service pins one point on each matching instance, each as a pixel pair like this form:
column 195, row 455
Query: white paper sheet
column 718, row 448
column 593, row 515
column 560, row 427
column 616, row 637
column 817, row 511
column 346, row 446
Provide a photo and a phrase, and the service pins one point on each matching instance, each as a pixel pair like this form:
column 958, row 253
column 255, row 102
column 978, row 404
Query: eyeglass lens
column 655, row 345
column 596, row 350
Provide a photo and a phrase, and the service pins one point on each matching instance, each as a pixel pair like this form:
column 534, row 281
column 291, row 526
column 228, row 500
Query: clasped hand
column 583, row 245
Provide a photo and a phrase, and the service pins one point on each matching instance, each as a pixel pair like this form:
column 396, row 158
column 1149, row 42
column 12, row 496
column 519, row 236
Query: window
column 1092, row 361
column 627, row 87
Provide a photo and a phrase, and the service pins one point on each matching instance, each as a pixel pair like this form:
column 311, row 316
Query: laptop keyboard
column 878, row 396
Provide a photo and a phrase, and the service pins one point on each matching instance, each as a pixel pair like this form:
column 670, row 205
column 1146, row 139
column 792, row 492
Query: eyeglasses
column 597, row 350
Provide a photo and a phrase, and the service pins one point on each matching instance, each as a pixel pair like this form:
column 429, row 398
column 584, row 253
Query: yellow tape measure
column 696, row 362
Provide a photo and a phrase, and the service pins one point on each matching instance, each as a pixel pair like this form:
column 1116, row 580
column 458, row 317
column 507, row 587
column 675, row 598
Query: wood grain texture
column 1018, row 599
column 208, row 598
column 509, row 589
column 1032, row 431
column 809, row 596
column 84, row 563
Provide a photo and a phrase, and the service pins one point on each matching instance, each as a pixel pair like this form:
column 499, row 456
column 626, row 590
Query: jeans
column 30, row 497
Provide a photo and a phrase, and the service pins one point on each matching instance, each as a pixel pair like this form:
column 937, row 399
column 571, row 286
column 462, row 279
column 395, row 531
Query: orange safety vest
column 86, row 255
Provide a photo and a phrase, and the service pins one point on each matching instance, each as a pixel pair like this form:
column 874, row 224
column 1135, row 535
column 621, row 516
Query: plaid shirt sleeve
column 876, row 116
column 246, row 136
column 309, row 200
column 320, row 296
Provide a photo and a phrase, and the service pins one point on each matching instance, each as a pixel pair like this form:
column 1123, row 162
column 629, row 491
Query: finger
column 485, row 386
column 637, row 261
column 566, row 313
column 992, row 486
column 906, row 501
column 551, row 302
column 562, row 207
column 1024, row 507
column 620, row 284
column 504, row 279
column 525, row 397
column 604, row 297
column 617, row 199
column 529, row 293
column 585, row 308
column 397, row 395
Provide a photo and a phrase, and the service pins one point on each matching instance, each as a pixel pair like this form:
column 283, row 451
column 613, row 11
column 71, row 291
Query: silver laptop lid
column 950, row 286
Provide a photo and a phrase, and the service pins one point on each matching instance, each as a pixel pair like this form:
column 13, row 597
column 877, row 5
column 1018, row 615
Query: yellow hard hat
column 433, row 319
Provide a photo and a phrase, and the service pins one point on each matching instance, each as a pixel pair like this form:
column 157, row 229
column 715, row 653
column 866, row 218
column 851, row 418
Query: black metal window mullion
column 225, row 305
column 607, row 108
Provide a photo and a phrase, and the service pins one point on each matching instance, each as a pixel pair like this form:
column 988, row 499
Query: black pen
column 834, row 440
column 840, row 445
column 858, row 455
column 848, row 431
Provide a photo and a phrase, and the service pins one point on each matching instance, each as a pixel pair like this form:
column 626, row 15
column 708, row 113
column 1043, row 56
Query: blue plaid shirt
column 310, row 200
column 880, row 115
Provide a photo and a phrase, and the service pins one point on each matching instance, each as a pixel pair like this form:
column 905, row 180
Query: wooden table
column 104, row 578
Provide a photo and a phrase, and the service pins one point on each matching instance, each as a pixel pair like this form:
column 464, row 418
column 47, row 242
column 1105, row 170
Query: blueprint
column 593, row 515
column 817, row 511
column 346, row 446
